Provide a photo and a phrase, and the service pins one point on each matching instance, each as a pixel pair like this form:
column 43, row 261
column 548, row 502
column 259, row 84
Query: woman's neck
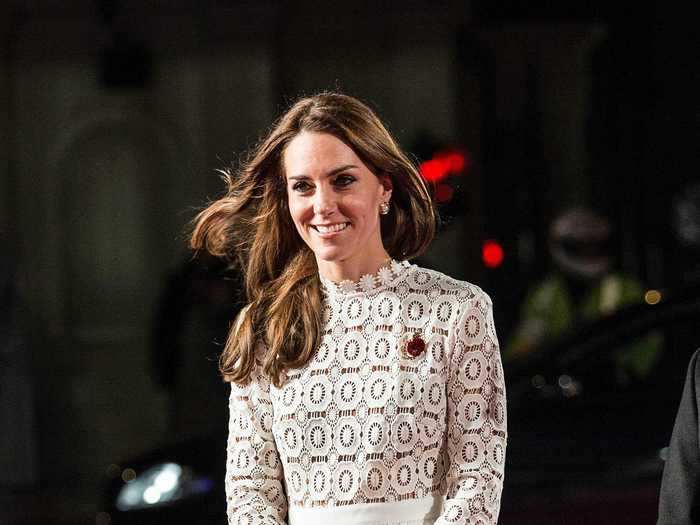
column 352, row 269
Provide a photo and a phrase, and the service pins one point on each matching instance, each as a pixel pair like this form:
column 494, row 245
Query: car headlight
column 161, row 484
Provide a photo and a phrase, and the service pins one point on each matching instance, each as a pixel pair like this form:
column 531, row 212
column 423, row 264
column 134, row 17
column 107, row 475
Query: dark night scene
column 357, row 262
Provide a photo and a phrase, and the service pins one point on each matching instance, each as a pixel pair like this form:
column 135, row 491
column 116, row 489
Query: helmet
column 580, row 243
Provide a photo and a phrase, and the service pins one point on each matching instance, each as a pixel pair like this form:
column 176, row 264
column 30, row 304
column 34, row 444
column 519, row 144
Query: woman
column 364, row 389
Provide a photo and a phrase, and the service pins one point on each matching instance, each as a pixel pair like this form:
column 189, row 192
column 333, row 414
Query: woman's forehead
column 311, row 153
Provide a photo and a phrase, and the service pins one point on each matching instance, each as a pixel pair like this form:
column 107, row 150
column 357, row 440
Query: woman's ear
column 387, row 185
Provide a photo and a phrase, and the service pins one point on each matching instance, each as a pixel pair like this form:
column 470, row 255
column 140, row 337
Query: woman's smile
column 326, row 230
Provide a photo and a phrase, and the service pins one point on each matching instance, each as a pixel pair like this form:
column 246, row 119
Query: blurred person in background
column 191, row 322
column 364, row 389
column 686, row 227
column 582, row 287
column 679, row 501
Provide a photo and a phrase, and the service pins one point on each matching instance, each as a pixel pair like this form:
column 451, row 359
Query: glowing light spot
column 652, row 297
column 444, row 164
column 128, row 475
column 492, row 254
column 167, row 479
column 151, row 495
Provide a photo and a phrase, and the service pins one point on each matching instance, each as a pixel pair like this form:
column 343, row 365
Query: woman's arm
column 254, row 489
column 476, row 419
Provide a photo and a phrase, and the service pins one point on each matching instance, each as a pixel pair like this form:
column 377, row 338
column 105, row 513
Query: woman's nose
column 324, row 201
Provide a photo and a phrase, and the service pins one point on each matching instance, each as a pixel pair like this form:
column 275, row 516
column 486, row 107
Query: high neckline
column 368, row 283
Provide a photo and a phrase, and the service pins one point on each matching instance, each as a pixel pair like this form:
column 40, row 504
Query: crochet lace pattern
column 363, row 422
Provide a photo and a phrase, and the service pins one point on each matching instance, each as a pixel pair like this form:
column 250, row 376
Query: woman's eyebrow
column 334, row 171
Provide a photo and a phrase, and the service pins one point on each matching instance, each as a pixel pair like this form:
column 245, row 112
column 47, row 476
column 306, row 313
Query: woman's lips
column 329, row 230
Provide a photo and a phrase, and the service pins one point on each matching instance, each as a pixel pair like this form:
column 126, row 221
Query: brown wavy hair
column 251, row 223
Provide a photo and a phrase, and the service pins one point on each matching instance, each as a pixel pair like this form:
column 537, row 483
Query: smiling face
column 334, row 202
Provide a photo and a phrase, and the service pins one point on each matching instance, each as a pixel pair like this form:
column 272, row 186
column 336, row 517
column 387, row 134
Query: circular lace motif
column 420, row 280
column 242, row 461
column 374, row 433
column 354, row 311
column 263, row 414
column 240, row 424
column 471, row 408
column 497, row 453
column 352, row 349
column 317, row 393
column 296, row 480
column 347, row 435
column 375, row 480
column 290, row 397
column 328, row 314
column 434, row 395
column 348, row 392
column 445, row 310
column 429, row 467
column 415, row 310
column 270, row 458
column 317, row 438
column 408, row 390
column 345, row 481
column 472, row 329
column 488, row 345
column 405, row 475
column 377, row 390
column 436, row 350
column 453, row 512
column 473, row 370
column 471, row 452
column 324, row 354
column 498, row 410
column 380, row 348
column 385, row 309
column 488, row 389
column 274, row 494
column 291, row 438
column 320, row 481
column 404, row 433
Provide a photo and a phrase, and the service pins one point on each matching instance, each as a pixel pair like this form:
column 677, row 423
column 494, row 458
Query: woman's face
column 334, row 199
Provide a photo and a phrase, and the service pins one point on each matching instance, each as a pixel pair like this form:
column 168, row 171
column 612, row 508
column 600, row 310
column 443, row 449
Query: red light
column 492, row 254
column 443, row 164
column 455, row 162
column 434, row 170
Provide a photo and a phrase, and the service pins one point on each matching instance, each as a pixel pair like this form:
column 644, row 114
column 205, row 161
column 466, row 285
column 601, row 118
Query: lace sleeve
column 476, row 419
column 254, row 491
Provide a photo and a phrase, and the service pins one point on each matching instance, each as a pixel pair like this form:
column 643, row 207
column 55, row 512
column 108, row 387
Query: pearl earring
column 384, row 208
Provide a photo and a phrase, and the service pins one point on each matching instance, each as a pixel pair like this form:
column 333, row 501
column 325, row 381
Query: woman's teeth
column 332, row 228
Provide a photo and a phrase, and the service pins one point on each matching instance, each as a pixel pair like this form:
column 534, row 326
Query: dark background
column 115, row 115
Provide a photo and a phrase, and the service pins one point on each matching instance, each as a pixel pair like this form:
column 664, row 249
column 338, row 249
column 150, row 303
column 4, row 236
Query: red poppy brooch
column 413, row 347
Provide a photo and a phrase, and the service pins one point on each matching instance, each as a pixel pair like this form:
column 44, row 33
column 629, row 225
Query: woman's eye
column 301, row 186
column 344, row 180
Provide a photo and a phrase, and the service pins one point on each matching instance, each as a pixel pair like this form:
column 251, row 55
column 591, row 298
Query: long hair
column 252, row 224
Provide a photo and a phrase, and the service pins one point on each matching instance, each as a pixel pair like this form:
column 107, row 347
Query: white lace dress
column 367, row 434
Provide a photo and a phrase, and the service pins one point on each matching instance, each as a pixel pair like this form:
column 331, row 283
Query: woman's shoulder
column 439, row 285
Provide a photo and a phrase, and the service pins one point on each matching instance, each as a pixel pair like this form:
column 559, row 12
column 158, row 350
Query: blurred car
column 586, row 441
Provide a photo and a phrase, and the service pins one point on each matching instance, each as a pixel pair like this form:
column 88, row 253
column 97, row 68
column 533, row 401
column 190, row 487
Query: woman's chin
column 330, row 255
